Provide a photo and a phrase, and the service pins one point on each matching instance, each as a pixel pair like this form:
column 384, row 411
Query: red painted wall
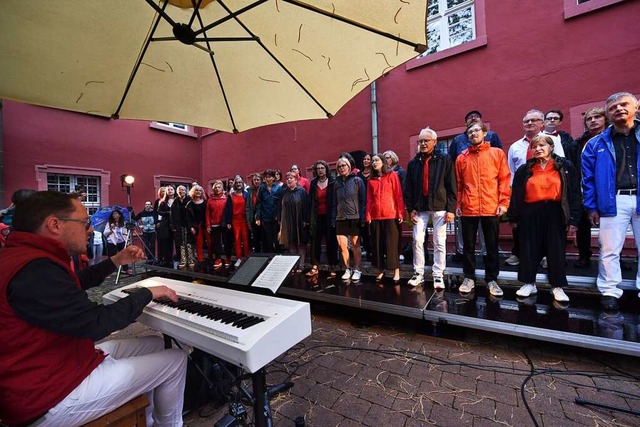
column 280, row 146
column 37, row 136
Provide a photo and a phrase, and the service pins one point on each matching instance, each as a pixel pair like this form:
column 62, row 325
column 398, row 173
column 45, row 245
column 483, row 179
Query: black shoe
column 609, row 303
column 457, row 257
column 582, row 263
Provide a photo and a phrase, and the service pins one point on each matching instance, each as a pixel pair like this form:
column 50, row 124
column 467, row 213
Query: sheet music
column 275, row 273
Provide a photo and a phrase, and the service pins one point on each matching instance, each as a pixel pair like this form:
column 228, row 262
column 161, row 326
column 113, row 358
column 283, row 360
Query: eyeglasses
column 86, row 222
column 424, row 141
column 470, row 131
column 531, row 121
column 342, row 166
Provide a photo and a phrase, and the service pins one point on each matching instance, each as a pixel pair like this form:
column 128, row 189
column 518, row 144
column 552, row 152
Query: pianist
column 51, row 372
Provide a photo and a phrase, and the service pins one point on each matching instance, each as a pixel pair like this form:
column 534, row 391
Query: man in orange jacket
column 483, row 178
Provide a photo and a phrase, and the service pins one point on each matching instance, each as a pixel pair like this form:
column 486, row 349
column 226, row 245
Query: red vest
column 38, row 368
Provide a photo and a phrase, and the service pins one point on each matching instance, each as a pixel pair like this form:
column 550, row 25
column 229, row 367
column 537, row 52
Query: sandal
column 313, row 271
column 380, row 276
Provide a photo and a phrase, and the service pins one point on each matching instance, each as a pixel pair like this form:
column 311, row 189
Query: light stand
column 126, row 181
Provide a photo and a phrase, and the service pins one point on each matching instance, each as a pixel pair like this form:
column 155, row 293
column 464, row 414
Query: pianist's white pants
column 132, row 367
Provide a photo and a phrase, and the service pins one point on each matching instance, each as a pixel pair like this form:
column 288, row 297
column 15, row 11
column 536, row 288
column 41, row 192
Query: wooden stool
column 131, row 414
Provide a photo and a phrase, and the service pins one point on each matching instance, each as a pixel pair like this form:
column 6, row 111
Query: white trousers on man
column 132, row 367
column 613, row 231
column 438, row 219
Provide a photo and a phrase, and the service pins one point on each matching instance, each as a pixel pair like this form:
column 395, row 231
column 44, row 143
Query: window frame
column 572, row 9
column 42, row 171
column 480, row 40
column 170, row 127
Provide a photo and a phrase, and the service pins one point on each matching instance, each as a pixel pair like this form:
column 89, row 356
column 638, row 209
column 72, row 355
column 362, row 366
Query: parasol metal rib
column 420, row 48
column 227, row 39
column 231, row 15
column 196, row 8
column 136, row 67
column 277, row 61
column 218, row 77
column 207, row 39
column 161, row 11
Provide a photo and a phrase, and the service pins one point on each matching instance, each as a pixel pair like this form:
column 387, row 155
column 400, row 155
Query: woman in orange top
column 545, row 204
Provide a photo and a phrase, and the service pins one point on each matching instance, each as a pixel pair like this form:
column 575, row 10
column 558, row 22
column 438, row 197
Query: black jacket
column 571, row 204
column 442, row 184
column 313, row 201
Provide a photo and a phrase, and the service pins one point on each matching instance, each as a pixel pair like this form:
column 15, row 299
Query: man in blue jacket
column 610, row 189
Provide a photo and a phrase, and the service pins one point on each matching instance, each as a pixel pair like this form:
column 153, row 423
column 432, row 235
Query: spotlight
column 127, row 180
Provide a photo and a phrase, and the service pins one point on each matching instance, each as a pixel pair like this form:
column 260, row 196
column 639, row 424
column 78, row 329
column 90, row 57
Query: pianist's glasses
column 86, row 222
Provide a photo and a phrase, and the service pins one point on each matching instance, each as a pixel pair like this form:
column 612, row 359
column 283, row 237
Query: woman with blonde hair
column 348, row 215
column 196, row 227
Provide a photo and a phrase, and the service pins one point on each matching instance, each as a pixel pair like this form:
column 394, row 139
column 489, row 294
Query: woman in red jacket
column 385, row 210
column 214, row 219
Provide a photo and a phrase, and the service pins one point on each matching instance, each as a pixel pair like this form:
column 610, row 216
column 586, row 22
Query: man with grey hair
column 519, row 153
column 609, row 158
column 430, row 192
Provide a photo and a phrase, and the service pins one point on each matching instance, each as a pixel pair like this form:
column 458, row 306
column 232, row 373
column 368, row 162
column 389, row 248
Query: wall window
column 453, row 27
column 90, row 185
column 94, row 182
column 449, row 23
column 573, row 8
column 179, row 128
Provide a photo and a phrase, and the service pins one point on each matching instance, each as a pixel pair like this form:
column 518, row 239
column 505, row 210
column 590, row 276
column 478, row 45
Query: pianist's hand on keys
column 157, row 292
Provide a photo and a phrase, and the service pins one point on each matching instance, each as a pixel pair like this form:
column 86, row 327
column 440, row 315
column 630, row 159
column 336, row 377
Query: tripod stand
column 127, row 242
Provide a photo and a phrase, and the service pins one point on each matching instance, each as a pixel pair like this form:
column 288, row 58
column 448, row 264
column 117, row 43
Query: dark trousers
column 515, row 250
column 322, row 229
column 149, row 243
column 179, row 242
column 256, row 237
column 384, row 241
column 542, row 233
column 221, row 236
column 165, row 249
column 114, row 249
column 583, row 236
column 270, row 236
column 469, row 232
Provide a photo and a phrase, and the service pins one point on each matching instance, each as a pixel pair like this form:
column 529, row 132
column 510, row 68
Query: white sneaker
column 512, row 260
column 526, row 290
column 559, row 295
column 356, row 275
column 494, row 289
column 467, row 286
column 543, row 263
column 346, row 275
column 438, row 283
column 416, row 280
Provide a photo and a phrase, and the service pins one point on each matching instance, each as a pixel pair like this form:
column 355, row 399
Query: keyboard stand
column 262, row 397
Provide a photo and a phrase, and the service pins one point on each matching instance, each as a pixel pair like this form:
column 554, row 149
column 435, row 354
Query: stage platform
column 581, row 323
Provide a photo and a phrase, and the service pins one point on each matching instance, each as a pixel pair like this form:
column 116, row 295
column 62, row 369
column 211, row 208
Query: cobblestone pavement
column 387, row 372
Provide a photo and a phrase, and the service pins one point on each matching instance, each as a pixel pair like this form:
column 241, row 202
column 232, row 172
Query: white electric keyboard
column 244, row 329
